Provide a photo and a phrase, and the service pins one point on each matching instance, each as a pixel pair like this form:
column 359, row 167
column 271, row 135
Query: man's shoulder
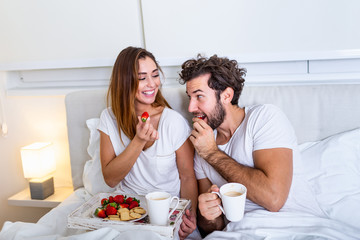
column 263, row 109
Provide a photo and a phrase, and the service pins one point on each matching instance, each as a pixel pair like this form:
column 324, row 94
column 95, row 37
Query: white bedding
column 259, row 224
column 262, row 224
column 333, row 170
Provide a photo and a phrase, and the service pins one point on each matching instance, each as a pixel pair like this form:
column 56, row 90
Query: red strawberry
column 113, row 204
column 111, row 199
column 100, row 213
column 144, row 116
column 104, row 201
column 110, row 210
column 129, row 200
column 133, row 204
column 119, row 199
column 124, row 205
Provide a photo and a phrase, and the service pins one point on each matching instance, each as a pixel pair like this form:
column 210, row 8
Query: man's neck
column 234, row 117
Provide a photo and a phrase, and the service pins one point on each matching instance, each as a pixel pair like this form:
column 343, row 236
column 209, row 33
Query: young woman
column 140, row 157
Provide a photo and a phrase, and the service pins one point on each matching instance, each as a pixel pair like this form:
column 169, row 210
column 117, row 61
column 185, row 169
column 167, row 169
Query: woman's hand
column 188, row 224
column 145, row 131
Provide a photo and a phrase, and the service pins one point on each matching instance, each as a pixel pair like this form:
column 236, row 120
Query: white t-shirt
column 264, row 127
column 155, row 169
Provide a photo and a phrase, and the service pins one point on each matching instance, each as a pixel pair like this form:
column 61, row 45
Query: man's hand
column 202, row 137
column 188, row 224
column 208, row 204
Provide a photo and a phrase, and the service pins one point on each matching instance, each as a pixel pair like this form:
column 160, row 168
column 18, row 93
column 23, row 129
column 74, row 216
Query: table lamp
column 38, row 163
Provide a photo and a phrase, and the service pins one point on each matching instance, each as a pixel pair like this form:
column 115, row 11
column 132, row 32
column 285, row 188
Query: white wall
column 30, row 119
column 241, row 28
column 66, row 30
column 48, row 48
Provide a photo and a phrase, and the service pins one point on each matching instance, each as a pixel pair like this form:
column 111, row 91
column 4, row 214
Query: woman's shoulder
column 107, row 113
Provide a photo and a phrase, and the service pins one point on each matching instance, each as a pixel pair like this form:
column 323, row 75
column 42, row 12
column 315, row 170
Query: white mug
column 158, row 205
column 233, row 197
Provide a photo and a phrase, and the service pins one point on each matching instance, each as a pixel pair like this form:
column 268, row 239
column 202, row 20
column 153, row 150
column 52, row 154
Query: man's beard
column 217, row 118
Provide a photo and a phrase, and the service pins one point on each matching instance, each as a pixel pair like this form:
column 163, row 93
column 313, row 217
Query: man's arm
column 268, row 183
column 210, row 217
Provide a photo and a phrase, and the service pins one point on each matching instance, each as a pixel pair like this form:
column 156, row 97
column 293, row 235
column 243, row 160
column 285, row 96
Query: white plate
column 134, row 220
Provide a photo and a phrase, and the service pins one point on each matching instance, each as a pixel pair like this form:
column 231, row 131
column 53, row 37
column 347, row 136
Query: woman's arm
column 185, row 165
column 115, row 168
column 188, row 188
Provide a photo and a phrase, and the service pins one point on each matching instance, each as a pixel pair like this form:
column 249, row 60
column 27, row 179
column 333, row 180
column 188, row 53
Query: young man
column 255, row 146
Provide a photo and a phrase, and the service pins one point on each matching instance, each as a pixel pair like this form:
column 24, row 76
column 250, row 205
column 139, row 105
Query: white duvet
column 259, row 224
column 333, row 171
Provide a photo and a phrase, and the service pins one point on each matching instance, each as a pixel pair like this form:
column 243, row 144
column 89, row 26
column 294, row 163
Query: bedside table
column 23, row 198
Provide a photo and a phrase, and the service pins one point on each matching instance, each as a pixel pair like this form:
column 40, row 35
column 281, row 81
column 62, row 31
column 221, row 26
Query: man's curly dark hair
column 224, row 73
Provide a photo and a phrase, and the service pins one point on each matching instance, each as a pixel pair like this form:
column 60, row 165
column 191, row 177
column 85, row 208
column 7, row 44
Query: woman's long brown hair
column 123, row 86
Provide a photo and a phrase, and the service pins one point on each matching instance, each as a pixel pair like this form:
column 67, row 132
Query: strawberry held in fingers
column 144, row 116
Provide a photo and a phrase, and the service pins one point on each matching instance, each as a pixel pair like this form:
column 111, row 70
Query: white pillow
column 332, row 167
column 93, row 178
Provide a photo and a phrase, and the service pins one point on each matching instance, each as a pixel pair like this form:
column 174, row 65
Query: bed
column 326, row 119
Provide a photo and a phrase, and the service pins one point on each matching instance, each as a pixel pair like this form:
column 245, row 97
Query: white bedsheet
column 259, row 224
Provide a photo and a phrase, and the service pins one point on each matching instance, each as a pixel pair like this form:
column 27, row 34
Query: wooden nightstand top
column 23, row 198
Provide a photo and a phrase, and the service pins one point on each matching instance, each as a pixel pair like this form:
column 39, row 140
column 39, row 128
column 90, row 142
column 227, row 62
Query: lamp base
column 41, row 189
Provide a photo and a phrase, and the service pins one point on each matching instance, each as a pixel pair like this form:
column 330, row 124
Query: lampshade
column 38, row 160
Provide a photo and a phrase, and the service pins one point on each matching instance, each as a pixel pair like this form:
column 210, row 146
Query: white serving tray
column 83, row 217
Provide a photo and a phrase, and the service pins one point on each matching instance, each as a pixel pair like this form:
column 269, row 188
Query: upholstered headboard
column 316, row 112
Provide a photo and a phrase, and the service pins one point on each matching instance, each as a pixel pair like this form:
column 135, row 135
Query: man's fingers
column 214, row 188
column 198, row 127
column 197, row 122
column 209, row 204
column 207, row 197
column 194, row 133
